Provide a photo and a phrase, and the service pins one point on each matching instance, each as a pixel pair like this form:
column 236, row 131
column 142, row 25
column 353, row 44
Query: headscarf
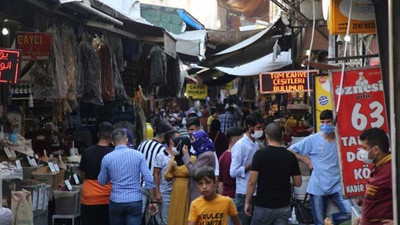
column 202, row 143
column 179, row 142
column 130, row 137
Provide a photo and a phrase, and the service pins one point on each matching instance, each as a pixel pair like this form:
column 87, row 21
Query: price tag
column 76, row 178
column 13, row 154
column 51, row 167
column 7, row 151
column 33, row 161
column 36, row 156
column 29, row 160
column 59, row 157
column 69, row 186
column 18, row 164
column 56, row 167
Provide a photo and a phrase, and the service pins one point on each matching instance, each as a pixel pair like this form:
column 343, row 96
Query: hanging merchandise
column 144, row 72
column 130, row 77
column 173, row 84
column 140, row 129
column 70, row 52
column 61, row 108
column 89, row 87
column 247, row 89
column 105, row 55
column 115, row 43
column 158, row 66
column 119, row 85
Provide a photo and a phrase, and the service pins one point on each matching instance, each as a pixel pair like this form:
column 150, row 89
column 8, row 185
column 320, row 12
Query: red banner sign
column 35, row 46
column 362, row 106
column 9, row 65
column 285, row 81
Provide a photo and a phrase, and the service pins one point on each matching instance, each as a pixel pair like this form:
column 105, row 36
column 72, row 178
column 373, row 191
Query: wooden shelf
column 21, row 98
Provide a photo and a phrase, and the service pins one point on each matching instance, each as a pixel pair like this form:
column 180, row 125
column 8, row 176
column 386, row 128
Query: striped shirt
column 123, row 167
column 150, row 149
column 227, row 121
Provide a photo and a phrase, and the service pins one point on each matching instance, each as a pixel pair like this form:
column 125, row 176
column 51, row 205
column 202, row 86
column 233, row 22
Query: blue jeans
column 319, row 205
column 268, row 216
column 162, row 215
column 125, row 213
column 239, row 202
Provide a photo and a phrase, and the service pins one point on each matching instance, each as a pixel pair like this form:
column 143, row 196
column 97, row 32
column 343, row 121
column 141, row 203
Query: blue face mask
column 327, row 128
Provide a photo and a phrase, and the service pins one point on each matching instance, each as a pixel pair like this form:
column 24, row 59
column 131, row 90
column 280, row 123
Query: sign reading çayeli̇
column 35, row 46
column 285, row 81
column 362, row 107
column 197, row 91
column 10, row 65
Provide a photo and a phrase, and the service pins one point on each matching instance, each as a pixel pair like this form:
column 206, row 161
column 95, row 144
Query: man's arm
column 220, row 188
column 103, row 177
column 236, row 220
column 296, row 180
column 236, row 169
column 302, row 158
column 157, row 172
column 251, row 187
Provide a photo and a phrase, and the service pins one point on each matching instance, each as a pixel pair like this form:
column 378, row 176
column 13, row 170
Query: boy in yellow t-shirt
column 211, row 208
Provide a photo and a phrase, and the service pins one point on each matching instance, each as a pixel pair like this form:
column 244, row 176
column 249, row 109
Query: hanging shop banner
column 362, row 106
column 169, row 45
column 197, row 91
column 362, row 17
column 322, row 96
column 285, row 81
column 35, row 46
column 10, row 64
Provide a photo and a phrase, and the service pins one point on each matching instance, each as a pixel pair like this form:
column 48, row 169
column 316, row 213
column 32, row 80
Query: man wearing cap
column 150, row 148
column 95, row 198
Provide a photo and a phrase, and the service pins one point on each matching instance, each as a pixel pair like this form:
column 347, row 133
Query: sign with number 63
column 362, row 106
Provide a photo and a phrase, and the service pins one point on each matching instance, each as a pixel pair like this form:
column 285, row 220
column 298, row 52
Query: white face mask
column 364, row 156
column 174, row 151
column 257, row 134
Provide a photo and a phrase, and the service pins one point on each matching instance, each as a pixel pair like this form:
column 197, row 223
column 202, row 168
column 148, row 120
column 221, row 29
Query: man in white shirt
column 242, row 156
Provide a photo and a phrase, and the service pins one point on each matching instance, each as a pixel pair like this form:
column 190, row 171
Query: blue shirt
column 242, row 155
column 325, row 177
column 227, row 121
column 122, row 167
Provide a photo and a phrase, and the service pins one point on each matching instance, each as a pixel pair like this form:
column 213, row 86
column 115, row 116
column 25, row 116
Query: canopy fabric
column 191, row 42
column 261, row 65
column 189, row 19
column 255, row 47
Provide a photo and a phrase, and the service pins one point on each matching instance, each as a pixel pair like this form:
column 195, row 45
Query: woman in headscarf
column 218, row 138
column 177, row 171
column 205, row 156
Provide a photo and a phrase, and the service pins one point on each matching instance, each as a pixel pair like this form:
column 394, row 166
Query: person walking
column 271, row 170
column 242, row 157
column 95, row 198
column 377, row 207
column 178, row 172
column 123, row 167
column 325, row 178
column 227, row 119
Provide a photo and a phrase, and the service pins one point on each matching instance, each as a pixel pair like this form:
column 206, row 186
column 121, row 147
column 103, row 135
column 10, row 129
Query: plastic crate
column 43, row 174
column 34, row 187
column 27, row 171
column 67, row 202
column 41, row 219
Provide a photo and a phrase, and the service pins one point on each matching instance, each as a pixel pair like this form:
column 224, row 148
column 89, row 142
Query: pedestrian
column 178, row 172
column 242, row 156
column 211, row 208
column 218, row 138
column 150, row 148
column 227, row 119
column 205, row 156
column 163, row 187
column 214, row 114
column 123, row 167
column 324, row 183
column 95, row 198
column 227, row 184
column 271, row 170
column 377, row 207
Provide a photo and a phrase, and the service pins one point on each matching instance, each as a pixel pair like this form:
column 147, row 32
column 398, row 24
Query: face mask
column 257, row 134
column 327, row 128
column 364, row 156
column 175, row 151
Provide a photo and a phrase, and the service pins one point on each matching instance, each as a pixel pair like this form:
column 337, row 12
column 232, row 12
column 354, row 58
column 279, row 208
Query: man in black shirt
column 95, row 198
column 271, row 170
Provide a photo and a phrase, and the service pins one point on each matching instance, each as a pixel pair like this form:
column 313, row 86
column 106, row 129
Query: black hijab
column 179, row 142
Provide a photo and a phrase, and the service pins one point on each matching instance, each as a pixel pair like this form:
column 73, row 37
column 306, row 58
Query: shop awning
column 253, row 48
column 267, row 63
column 190, row 19
column 191, row 43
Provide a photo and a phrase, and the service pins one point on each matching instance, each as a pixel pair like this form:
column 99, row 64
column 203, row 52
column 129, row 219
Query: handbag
column 152, row 220
column 303, row 210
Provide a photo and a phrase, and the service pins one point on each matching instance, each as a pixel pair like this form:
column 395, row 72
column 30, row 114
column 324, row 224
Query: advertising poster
column 362, row 17
column 10, row 64
column 322, row 96
column 35, row 46
column 362, row 107
column 285, row 81
column 197, row 91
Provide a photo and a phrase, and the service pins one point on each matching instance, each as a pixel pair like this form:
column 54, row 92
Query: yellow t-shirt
column 209, row 120
column 216, row 212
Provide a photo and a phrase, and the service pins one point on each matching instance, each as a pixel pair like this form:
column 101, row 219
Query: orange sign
column 35, row 46
column 285, row 81
column 9, row 65
column 362, row 17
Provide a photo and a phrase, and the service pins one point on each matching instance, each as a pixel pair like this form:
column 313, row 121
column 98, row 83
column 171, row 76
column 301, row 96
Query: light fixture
column 307, row 52
column 5, row 31
column 347, row 38
column 214, row 78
